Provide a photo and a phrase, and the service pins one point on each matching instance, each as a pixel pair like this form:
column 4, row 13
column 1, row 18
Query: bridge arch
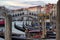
column 35, row 17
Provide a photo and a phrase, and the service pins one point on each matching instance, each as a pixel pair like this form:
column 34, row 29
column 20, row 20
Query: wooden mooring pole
column 43, row 28
column 8, row 25
column 58, row 21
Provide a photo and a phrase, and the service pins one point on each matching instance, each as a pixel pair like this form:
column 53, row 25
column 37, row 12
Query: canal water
column 14, row 30
column 34, row 39
column 1, row 39
column 17, row 31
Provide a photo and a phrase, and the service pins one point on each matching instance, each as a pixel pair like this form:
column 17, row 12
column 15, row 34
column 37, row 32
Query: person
column 48, row 32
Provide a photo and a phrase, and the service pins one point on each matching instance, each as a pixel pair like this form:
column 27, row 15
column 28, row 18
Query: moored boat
column 2, row 22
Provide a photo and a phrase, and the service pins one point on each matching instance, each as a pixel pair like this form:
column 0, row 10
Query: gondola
column 14, row 36
column 19, row 28
column 24, row 27
column 2, row 22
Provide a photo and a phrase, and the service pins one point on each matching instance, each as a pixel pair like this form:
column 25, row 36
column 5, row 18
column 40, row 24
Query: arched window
column 29, row 13
column 18, row 14
column 12, row 15
column 47, row 17
column 23, row 13
column 32, row 13
column 15, row 15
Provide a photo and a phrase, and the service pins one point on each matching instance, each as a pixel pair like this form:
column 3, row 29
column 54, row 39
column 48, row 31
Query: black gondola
column 19, row 28
column 14, row 37
column 24, row 27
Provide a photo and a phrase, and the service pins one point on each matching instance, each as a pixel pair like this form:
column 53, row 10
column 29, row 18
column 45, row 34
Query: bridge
column 19, row 16
column 8, row 22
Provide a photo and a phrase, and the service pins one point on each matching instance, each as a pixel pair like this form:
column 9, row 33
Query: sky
column 24, row 3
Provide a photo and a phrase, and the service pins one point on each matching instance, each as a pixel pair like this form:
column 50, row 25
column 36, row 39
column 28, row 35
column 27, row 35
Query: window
column 29, row 13
column 12, row 15
column 18, row 14
column 47, row 17
column 15, row 15
column 54, row 18
column 47, row 25
column 23, row 13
